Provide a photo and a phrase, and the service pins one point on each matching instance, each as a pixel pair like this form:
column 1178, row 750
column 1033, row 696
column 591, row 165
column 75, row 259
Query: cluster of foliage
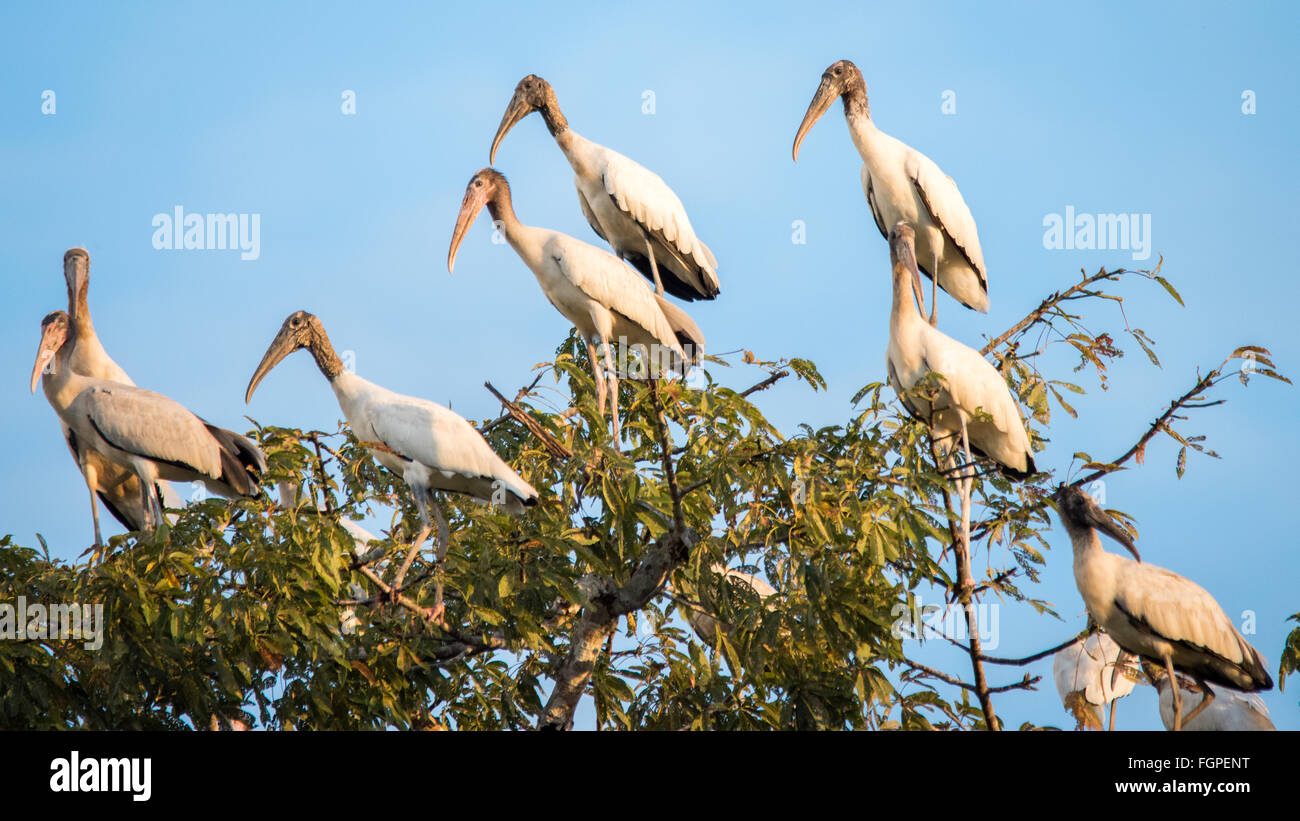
column 269, row 612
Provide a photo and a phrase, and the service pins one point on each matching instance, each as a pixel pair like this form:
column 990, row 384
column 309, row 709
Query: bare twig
column 1022, row 661
column 1026, row 683
column 554, row 446
column 766, row 383
column 1161, row 423
column 522, row 393
column 1052, row 301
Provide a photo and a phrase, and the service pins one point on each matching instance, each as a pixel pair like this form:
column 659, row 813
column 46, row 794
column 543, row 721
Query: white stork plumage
column 1159, row 615
column 154, row 437
column 901, row 183
column 972, row 401
column 1231, row 710
column 429, row 446
column 625, row 203
column 592, row 288
column 1091, row 674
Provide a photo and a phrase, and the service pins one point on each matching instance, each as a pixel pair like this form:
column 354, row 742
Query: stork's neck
column 862, row 129
column 855, row 102
column 576, row 149
column 903, row 313
column 554, row 118
column 323, row 352
column 502, row 210
column 79, row 310
column 1085, row 541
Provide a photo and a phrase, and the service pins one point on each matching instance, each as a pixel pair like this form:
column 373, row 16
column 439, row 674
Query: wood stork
column 1161, row 616
column 901, row 183
column 145, row 432
column 592, row 288
column 628, row 205
column 973, row 400
column 429, row 446
column 1091, row 674
column 1231, row 710
column 117, row 486
column 705, row 624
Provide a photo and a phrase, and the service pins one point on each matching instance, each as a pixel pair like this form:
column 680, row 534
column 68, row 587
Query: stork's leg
column 92, row 480
column 155, row 500
column 444, row 540
column 148, row 476
column 1206, row 698
column 1178, row 697
column 421, row 496
column 146, row 505
column 654, row 266
column 934, row 296
column 598, row 376
column 612, row 376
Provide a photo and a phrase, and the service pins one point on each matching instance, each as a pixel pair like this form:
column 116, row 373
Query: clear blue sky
column 236, row 108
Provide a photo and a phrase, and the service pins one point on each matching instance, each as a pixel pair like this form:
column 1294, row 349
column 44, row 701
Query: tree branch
column 606, row 603
column 507, row 415
column 1139, row 447
column 1026, row 683
column 1052, row 301
column 766, row 383
column 553, row 446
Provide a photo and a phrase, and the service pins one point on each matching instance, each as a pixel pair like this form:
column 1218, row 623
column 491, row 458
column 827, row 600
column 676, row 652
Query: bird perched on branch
column 901, row 183
column 428, row 445
column 972, row 403
column 147, row 433
column 1155, row 613
column 626, row 204
column 591, row 287
column 117, row 486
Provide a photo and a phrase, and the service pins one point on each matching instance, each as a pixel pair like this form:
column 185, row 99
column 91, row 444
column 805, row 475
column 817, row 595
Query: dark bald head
column 841, row 79
column 531, row 94
column 487, row 188
column 1080, row 514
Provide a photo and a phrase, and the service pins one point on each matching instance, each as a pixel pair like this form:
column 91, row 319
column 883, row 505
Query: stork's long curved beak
column 826, row 94
column 285, row 343
column 76, row 273
column 515, row 111
column 1104, row 522
column 474, row 202
column 52, row 339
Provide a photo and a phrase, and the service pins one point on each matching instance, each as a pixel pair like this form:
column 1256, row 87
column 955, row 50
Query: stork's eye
column 839, row 71
column 478, row 183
